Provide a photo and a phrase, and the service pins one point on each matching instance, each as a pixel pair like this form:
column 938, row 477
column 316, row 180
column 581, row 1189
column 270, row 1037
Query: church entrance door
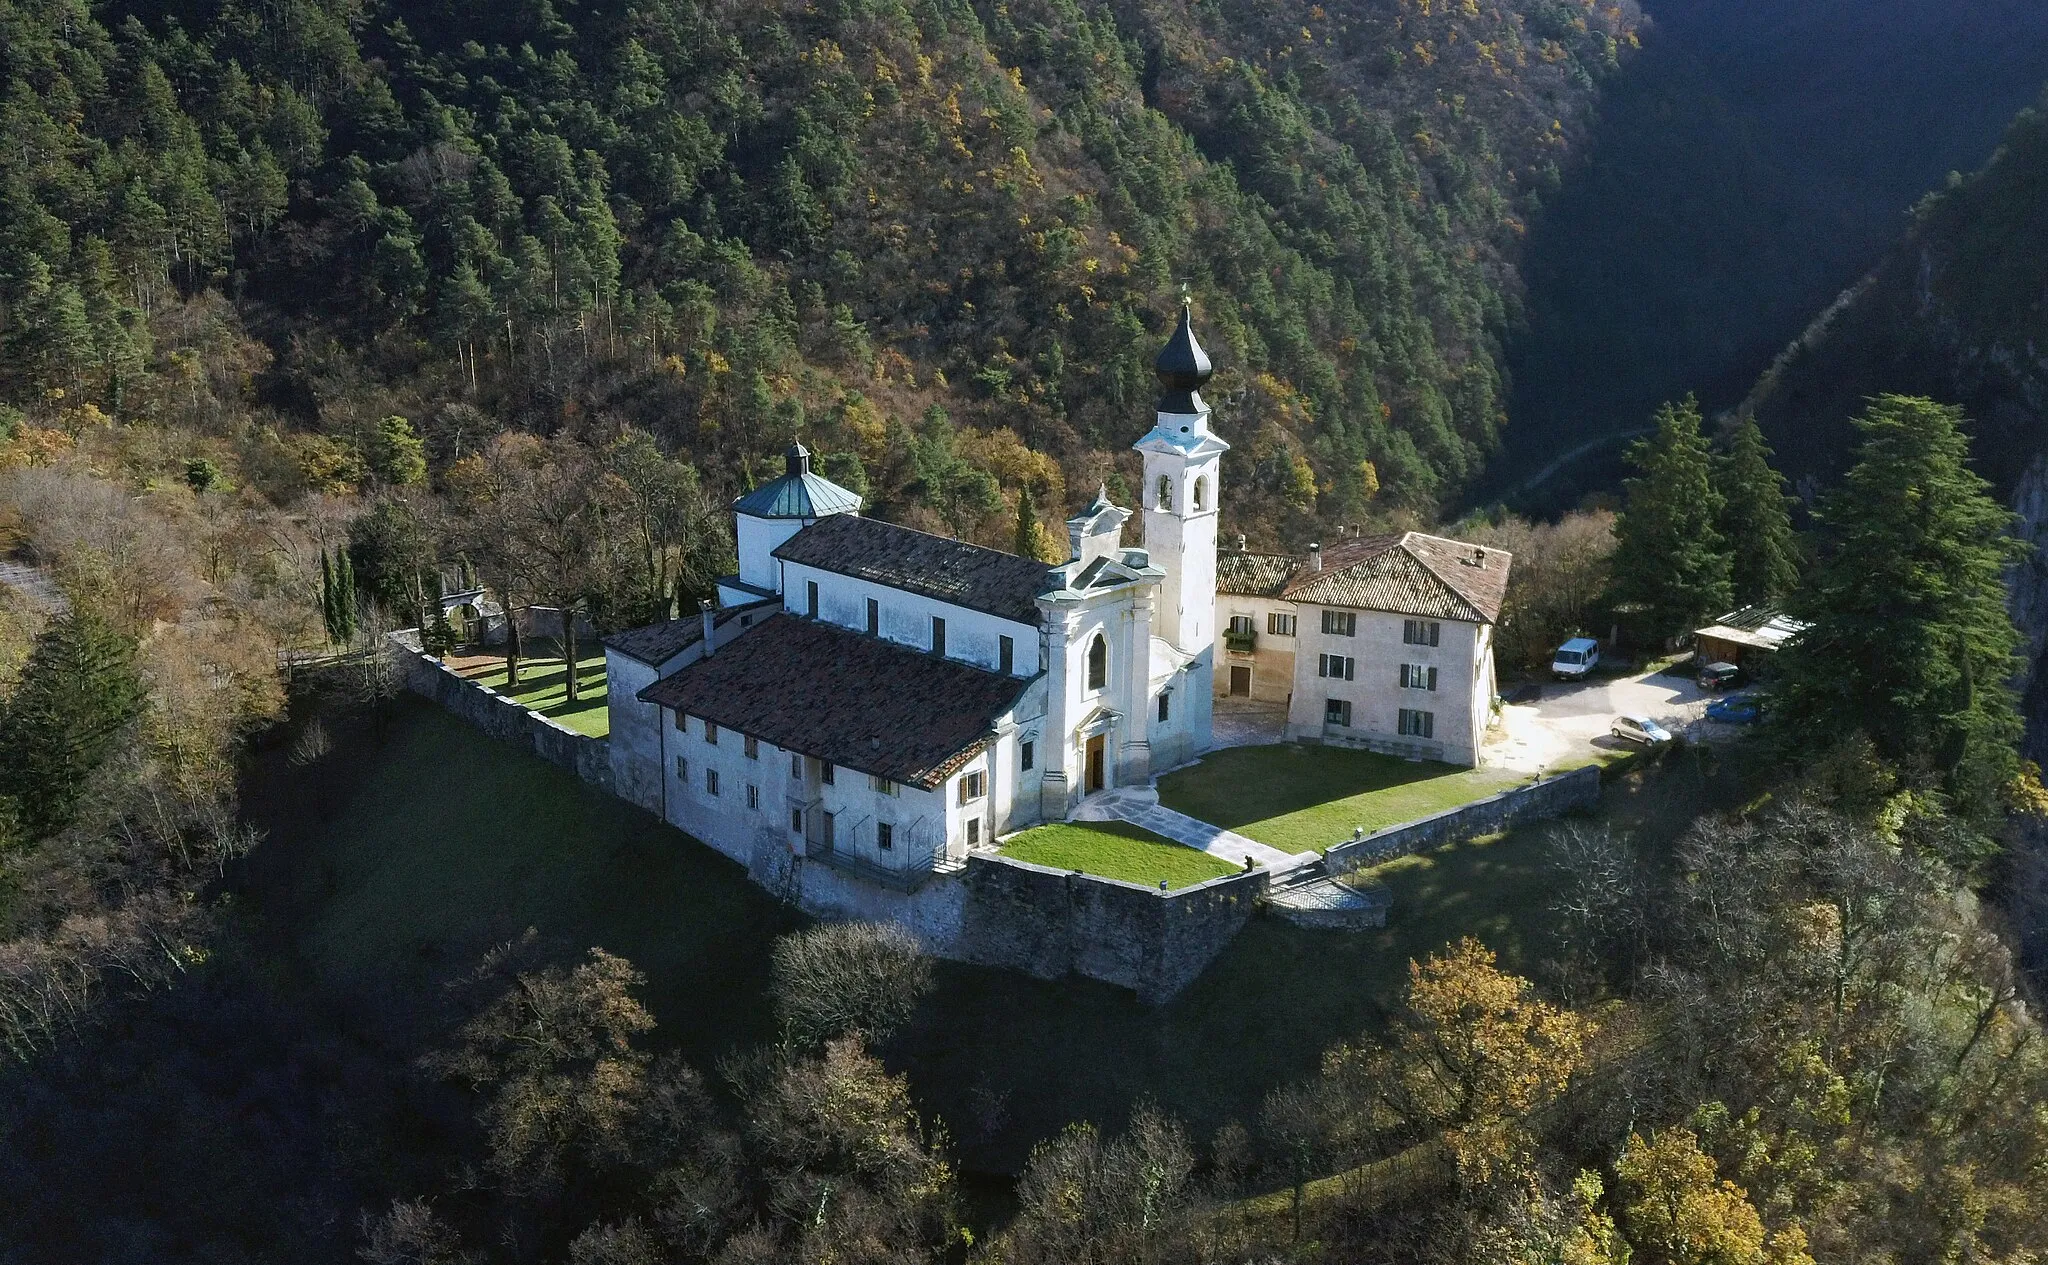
column 1240, row 681
column 1096, row 746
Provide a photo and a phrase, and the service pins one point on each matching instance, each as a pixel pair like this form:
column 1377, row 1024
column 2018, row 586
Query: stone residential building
column 1383, row 642
column 883, row 700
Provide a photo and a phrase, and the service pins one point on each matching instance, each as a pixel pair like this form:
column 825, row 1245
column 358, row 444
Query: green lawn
column 1115, row 849
column 543, row 688
column 1299, row 797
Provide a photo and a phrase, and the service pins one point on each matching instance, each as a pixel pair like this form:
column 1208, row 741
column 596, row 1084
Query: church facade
column 885, row 700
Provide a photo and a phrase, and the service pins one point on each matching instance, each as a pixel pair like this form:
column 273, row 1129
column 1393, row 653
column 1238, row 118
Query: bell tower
column 1183, row 490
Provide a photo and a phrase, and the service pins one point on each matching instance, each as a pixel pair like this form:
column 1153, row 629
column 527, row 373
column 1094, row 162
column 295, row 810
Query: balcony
column 1240, row 642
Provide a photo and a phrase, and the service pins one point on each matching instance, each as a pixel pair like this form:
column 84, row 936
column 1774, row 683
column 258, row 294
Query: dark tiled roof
column 1254, row 574
column 938, row 567
column 1407, row 573
column 656, row 644
column 868, row 704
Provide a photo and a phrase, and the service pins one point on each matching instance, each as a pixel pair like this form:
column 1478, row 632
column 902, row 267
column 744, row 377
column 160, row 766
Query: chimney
column 707, row 610
column 1479, row 557
column 1240, row 542
column 1315, row 557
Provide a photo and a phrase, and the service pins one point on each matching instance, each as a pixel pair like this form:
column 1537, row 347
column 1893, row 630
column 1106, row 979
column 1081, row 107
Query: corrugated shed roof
column 1407, row 573
column 656, row 644
column 938, row 567
column 868, row 704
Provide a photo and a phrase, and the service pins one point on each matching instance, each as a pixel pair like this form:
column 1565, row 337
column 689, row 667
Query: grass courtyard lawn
column 1303, row 798
column 1115, row 849
column 543, row 687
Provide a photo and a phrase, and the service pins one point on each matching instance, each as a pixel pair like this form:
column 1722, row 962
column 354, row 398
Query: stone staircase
column 1312, row 897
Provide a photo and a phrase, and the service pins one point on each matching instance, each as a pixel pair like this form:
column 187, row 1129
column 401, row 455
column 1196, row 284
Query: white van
column 1575, row 659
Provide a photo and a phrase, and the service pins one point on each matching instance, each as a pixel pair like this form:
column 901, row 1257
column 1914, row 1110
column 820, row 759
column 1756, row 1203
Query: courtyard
column 1301, row 797
column 1115, row 849
column 543, row 686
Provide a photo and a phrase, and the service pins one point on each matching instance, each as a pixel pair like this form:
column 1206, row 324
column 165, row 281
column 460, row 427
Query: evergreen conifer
column 1755, row 519
column 1911, row 642
column 78, row 690
column 1671, row 565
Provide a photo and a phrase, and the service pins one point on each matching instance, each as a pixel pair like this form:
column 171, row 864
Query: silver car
column 1640, row 729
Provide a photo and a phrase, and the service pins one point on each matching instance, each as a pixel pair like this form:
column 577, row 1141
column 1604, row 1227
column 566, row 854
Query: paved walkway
column 35, row 585
column 1139, row 805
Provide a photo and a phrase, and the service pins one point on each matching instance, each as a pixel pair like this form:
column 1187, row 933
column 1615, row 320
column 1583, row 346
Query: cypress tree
column 1671, row 565
column 79, row 689
column 1027, row 525
column 1755, row 519
column 1911, row 642
column 345, row 604
column 328, row 617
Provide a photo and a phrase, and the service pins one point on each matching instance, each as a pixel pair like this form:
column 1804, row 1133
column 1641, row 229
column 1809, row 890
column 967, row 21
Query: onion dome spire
column 1182, row 366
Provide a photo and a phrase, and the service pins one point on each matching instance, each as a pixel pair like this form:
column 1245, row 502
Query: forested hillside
column 864, row 222
column 1958, row 309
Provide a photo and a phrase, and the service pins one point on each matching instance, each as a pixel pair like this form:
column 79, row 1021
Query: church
column 883, row 700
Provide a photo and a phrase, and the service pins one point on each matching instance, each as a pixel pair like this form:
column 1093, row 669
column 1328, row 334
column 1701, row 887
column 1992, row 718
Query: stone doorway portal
column 1240, row 681
column 1095, row 749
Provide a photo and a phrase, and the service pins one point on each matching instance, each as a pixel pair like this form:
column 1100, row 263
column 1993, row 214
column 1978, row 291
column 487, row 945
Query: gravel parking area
column 1569, row 722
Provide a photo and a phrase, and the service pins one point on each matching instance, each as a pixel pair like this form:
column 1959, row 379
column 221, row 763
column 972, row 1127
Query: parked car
column 1720, row 676
column 1640, row 729
column 1736, row 709
column 1575, row 659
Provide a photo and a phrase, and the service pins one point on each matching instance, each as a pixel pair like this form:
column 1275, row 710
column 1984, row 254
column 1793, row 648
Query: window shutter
column 1432, row 678
column 1350, row 668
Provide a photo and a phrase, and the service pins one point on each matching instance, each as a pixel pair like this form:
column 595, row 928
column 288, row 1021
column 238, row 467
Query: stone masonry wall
column 1050, row 923
column 500, row 717
column 1550, row 797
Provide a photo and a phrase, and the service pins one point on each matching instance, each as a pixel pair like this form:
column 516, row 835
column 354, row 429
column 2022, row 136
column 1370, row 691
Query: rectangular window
column 811, row 598
column 885, row 836
column 710, row 734
column 796, row 768
column 1006, row 655
column 752, row 746
column 938, row 636
column 825, row 772
column 682, row 769
column 1241, row 624
column 973, row 832
column 1421, row 632
column 1027, row 756
column 825, row 833
column 711, row 781
column 796, row 821
column 882, row 785
column 1415, row 676
column 874, row 618
column 1165, row 707
column 1340, row 623
column 1337, row 711
column 1416, row 724
column 753, row 796
column 972, row 786
column 1280, row 625
column 1337, row 667
column 682, row 723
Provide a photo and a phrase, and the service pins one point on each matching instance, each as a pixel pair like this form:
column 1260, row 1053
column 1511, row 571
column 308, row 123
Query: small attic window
column 1183, row 430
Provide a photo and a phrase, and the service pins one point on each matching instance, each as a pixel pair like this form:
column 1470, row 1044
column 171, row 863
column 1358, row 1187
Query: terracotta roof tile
column 1406, row 573
column 868, row 704
column 938, row 567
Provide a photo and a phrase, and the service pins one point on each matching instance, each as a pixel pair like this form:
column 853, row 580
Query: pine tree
column 1755, row 520
column 78, row 690
column 1911, row 642
column 1671, row 565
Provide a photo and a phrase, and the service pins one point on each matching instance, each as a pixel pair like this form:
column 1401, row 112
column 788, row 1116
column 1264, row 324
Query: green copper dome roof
column 798, row 493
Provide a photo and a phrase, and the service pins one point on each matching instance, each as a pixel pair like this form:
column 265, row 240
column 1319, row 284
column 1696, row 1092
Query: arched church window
column 1165, row 500
column 1201, row 493
column 1098, row 663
